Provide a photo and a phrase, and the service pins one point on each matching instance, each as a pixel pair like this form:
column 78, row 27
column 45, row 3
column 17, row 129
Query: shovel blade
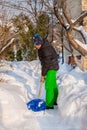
column 36, row 105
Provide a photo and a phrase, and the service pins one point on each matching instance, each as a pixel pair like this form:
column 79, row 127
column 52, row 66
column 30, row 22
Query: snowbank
column 19, row 83
column 73, row 96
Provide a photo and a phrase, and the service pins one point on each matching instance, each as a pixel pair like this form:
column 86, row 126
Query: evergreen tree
column 24, row 29
column 42, row 24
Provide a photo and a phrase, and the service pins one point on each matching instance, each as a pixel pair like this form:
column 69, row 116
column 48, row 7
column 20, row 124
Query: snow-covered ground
column 19, row 83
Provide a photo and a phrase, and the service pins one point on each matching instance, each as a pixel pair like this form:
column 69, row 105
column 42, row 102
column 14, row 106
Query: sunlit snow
column 19, row 83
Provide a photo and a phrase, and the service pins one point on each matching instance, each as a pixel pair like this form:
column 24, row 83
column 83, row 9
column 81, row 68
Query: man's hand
column 42, row 79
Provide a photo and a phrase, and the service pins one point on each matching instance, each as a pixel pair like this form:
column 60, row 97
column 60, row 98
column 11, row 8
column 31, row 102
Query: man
column 49, row 63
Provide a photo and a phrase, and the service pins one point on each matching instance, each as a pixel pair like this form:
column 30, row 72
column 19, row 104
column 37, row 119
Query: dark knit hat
column 37, row 39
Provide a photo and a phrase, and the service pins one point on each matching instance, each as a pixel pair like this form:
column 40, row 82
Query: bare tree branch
column 75, row 44
column 59, row 17
column 65, row 12
column 80, row 18
column 7, row 45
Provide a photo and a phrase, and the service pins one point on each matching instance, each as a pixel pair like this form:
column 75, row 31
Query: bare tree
column 52, row 7
column 69, row 26
column 6, row 37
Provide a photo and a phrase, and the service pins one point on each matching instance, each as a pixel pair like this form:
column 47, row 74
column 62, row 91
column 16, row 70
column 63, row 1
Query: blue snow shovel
column 38, row 104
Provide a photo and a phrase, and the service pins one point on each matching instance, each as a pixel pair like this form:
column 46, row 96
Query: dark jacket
column 48, row 57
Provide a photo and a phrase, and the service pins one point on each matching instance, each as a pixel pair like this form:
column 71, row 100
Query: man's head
column 38, row 41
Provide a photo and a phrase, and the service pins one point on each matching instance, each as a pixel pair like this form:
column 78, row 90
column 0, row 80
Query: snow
column 19, row 83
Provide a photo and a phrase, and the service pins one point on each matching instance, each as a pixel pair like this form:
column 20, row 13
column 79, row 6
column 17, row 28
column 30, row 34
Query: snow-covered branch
column 80, row 18
column 7, row 45
column 83, row 32
column 70, row 26
column 84, row 46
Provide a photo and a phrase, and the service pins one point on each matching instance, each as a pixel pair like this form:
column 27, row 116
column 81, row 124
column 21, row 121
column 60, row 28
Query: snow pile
column 12, row 103
column 19, row 83
column 73, row 96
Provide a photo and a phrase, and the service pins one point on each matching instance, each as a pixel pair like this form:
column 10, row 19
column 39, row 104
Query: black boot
column 47, row 107
column 55, row 103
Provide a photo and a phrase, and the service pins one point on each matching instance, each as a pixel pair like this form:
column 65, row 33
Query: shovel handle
column 40, row 89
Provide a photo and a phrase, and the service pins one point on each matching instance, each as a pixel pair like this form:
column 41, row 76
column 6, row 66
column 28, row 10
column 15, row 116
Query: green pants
column 51, row 88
